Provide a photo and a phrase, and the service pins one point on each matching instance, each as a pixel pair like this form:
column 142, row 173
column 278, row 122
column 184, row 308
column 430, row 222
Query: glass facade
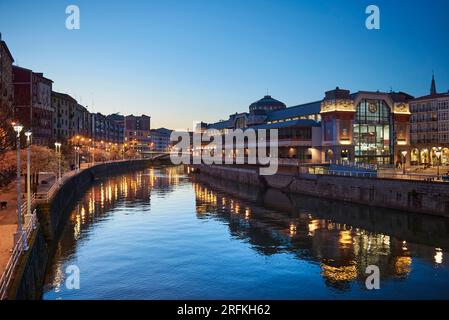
column 373, row 127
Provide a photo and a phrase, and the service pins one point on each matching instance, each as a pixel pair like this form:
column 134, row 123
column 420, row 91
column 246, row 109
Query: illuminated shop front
column 429, row 130
column 365, row 127
column 372, row 132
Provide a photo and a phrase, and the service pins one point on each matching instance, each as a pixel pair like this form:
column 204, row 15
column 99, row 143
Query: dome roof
column 267, row 103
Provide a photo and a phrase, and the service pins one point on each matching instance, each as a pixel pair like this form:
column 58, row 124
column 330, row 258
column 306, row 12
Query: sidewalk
column 8, row 216
column 8, row 223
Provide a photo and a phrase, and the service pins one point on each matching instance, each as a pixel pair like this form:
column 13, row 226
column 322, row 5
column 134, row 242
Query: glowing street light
column 404, row 154
column 438, row 154
column 58, row 153
column 19, row 234
column 28, row 214
column 76, row 158
column 92, row 152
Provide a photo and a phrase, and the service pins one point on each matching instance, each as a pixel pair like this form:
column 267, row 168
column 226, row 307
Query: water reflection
column 150, row 235
column 274, row 222
column 128, row 190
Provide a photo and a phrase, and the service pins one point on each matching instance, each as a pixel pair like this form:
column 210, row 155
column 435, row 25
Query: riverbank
column 52, row 215
column 423, row 197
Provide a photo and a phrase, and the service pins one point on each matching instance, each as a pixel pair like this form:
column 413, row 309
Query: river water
column 162, row 233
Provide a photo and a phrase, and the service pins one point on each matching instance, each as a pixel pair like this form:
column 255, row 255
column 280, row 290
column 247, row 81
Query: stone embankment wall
column 408, row 195
column 30, row 275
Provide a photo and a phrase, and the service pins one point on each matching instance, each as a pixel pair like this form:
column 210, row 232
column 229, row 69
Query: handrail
column 384, row 175
column 369, row 174
column 47, row 196
column 24, row 206
column 19, row 247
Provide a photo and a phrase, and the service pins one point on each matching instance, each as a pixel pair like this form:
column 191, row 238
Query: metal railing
column 48, row 195
column 410, row 176
column 342, row 173
column 19, row 248
column 24, row 206
column 385, row 175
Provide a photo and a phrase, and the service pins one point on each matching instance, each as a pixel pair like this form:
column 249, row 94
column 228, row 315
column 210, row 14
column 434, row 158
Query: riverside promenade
column 8, row 215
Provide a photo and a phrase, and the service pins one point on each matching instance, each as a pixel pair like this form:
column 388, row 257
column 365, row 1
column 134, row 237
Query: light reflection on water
column 160, row 234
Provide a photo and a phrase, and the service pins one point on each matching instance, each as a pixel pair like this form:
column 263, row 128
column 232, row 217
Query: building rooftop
column 295, row 111
column 3, row 44
column 63, row 96
column 286, row 124
column 431, row 96
column 267, row 103
column 162, row 131
column 220, row 125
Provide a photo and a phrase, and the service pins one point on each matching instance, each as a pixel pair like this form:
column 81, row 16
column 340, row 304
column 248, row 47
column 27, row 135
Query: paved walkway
column 8, row 223
column 8, row 216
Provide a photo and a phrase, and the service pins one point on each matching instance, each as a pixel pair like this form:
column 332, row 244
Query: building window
column 373, row 132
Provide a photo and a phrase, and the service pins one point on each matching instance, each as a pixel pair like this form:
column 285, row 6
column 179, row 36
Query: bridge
column 155, row 155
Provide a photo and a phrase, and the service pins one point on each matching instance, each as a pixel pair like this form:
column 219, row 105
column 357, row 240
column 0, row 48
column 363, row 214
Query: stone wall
column 30, row 275
column 245, row 176
column 409, row 195
column 411, row 227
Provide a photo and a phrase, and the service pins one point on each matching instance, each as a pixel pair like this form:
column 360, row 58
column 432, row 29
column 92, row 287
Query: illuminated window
column 373, row 132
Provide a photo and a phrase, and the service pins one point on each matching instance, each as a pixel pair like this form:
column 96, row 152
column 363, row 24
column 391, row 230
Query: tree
column 7, row 134
column 100, row 155
column 43, row 159
column 131, row 153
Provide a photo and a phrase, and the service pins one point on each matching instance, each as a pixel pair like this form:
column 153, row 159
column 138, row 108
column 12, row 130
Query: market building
column 362, row 127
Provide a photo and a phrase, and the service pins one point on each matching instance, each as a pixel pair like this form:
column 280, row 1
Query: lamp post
column 76, row 152
column 404, row 154
column 438, row 154
column 28, row 214
column 19, row 234
column 91, row 149
column 58, row 153
column 76, row 158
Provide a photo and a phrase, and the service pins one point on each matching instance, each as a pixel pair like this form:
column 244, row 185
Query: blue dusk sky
column 181, row 61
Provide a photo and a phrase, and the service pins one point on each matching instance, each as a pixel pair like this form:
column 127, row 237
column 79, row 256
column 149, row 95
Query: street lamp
column 438, row 154
column 58, row 153
column 19, row 234
column 92, row 152
column 404, row 154
column 76, row 157
column 28, row 214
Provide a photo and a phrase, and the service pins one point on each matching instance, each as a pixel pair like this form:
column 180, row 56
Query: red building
column 138, row 132
column 32, row 101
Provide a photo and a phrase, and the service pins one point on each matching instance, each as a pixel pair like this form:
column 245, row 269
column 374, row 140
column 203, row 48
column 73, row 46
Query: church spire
column 433, row 88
